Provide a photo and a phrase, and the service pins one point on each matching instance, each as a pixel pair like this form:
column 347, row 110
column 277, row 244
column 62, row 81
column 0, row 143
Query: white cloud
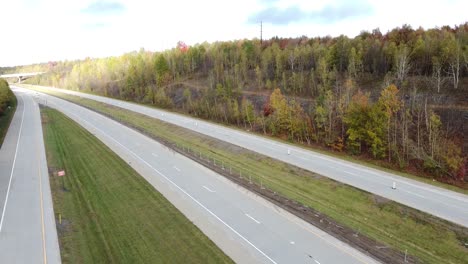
column 43, row 30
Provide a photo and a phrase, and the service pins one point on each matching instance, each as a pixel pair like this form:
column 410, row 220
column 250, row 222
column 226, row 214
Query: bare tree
column 405, row 119
column 437, row 78
column 454, row 64
column 292, row 58
column 454, row 71
column 402, row 63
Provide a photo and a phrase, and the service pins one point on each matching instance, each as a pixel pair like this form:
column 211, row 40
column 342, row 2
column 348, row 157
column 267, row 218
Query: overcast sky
column 34, row 31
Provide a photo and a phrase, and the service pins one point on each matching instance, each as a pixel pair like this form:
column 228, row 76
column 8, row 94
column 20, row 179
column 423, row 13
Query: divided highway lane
column 437, row 201
column 27, row 224
column 246, row 227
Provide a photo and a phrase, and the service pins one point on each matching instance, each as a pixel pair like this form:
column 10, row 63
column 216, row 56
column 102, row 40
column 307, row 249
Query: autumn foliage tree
column 281, row 112
column 391, row 104
column 366, row 126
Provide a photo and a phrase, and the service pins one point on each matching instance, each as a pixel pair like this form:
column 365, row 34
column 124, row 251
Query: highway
column 437, row 201
column 27, row 225
column 245, row 226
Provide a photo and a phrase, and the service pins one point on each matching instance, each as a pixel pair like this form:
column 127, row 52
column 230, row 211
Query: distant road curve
column 446, row 204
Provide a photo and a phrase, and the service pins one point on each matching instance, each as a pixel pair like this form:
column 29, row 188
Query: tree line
column 368, row 95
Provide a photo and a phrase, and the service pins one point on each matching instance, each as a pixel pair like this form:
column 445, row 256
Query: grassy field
column 110, row 214
column 430, row 239
column 5, row 121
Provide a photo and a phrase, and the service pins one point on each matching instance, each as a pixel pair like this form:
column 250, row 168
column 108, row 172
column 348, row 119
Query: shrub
column 6, row 96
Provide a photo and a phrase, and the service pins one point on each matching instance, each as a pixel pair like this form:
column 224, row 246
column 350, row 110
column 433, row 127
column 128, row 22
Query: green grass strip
column 109, row 213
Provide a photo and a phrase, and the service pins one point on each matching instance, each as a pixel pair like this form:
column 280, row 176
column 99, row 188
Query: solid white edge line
column 12, row 168
column 182, row 190
column 255, row 220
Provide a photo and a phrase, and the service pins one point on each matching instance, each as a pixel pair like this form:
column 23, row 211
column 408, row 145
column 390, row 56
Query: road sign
column 61, row 173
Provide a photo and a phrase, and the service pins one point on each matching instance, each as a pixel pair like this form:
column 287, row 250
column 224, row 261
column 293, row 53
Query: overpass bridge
column 21, row 76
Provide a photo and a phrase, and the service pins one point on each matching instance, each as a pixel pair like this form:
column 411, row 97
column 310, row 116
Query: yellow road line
column 44, row 253
column 42, row 218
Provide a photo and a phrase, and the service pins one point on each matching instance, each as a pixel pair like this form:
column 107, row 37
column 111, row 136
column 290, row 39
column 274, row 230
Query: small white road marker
column 177, row 169
column 208, row 189
column 394, row 186
column 154, row 155
column 255, row 220
column 292, row 242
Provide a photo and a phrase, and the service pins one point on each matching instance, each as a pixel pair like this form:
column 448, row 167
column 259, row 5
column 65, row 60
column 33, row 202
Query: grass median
column 109, row 213
column 426, row 237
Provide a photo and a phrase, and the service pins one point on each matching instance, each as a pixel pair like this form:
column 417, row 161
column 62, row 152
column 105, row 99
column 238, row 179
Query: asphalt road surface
column 27, row 225
column 245, row 226
column 440, row 202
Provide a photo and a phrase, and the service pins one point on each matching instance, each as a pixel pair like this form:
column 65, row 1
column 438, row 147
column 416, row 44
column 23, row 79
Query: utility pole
column 261, row 33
